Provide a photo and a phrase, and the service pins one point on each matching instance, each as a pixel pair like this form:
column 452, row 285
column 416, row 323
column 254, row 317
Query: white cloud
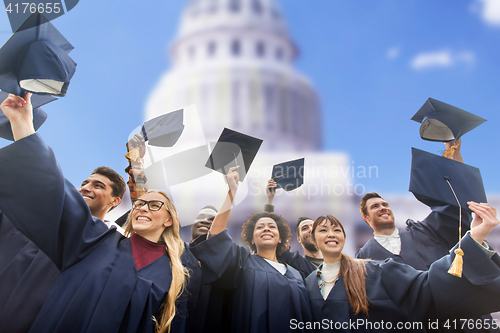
column 490, row 11
column 393, row 52
column 443, row 58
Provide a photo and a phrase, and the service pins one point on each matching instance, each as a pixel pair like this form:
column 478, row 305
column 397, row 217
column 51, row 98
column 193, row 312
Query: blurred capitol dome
column 233, row 60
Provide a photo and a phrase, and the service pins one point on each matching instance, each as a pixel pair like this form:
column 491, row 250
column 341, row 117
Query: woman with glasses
column 356, row 295
column 108, row 282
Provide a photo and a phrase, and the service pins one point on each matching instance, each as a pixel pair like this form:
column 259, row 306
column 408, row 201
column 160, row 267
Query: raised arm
column 220, row 221
column 137, row 182
column 453, row 150
column 485, row 220
column 19, row 111
column 437, row 293
column 270, row 192
column 37, row 199
column 443, row 220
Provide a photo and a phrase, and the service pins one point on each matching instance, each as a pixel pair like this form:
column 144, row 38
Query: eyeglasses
column 153, row 205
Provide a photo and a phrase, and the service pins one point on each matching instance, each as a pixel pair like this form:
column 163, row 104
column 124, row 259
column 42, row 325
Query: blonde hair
column 175, row 247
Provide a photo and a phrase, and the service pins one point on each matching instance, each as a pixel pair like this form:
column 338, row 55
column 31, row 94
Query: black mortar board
column 164, row 130
column 39, row 115
column 289, row 175
column 233, row 149
column 429, row 175
column 36, row 59
column 122, row 219
column 443, row 122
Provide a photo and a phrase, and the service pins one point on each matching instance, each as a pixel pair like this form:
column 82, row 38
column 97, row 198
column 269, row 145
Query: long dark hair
column 352, row 270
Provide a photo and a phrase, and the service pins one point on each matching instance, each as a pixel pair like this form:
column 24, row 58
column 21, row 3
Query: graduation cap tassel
column 457, row 264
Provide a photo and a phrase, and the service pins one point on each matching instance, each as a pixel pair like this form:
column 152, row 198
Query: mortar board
column 36, row 59
column 233, row 149
column 39, row 115
column 443, row 122
column 431, row 173
column 164, row 130
column 289, row 175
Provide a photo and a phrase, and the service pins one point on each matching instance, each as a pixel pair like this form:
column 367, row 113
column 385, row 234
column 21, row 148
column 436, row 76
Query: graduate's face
column 202, row 222
column 97, row 192
column 150, row 224
column 266, row 234
column 379, row 216
column 330, row 240
column 304, row 236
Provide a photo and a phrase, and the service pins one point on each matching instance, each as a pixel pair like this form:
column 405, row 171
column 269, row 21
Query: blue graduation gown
column 263, row 300
column 26, row 278
column 297, row 261
column 424, row 242
column 207, row 306
column 99, row 289
column 400, row 294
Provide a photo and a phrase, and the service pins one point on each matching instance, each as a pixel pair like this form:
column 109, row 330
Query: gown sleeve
column 475, row 294
column 43, row 205
column 222, row 261
column 442, row 224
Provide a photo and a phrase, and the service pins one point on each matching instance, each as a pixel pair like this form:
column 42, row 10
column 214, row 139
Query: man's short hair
column 362, row 205
column 210, row 207
column 302, row 218
column 117, row 182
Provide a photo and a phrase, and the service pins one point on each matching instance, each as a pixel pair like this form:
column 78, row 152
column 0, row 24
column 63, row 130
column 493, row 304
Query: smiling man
column 311, row 251
column 203, row 221
column 421, row 242
column 103, row 190
column 27, row 274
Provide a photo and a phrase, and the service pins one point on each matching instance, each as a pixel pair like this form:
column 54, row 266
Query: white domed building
column 233, row 60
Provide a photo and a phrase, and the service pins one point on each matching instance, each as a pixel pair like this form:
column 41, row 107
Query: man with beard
column 303, row 230
column 420, row 243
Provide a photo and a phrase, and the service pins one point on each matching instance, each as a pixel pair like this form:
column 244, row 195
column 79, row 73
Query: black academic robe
column 401, row 295
column 206, row 305
column 424, row 242
column 297, row 261
column 263, row 300
column 99, row 289
column 26, row 278
column 294, row 259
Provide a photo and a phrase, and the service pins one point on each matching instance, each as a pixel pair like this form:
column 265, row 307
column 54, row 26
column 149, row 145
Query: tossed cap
column 164, row 130
column 429, row 176
column 39, row 115
column 36, row 59
column 289, row 175
column 443, row 122
column 233, row 149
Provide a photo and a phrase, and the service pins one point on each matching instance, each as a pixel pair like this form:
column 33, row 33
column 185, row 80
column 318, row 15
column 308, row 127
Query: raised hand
column 19, row 111
column 485, row 219
column 271, row 190
column 233, row 179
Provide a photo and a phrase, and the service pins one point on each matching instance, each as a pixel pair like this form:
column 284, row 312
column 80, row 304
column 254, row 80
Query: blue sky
column 373, row 63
